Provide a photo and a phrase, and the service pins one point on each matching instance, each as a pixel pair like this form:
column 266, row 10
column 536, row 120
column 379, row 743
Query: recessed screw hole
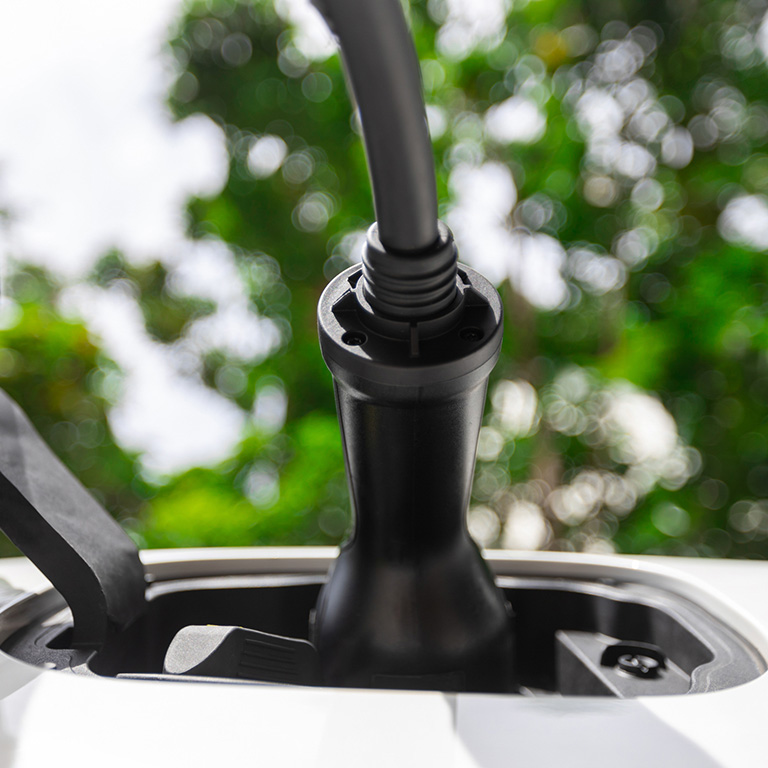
column 354, row 338
column 471, row 334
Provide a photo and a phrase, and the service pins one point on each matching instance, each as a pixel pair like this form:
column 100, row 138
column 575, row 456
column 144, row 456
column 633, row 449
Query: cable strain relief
column 410, row 286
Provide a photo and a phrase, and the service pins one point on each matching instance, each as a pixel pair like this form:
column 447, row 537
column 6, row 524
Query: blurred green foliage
column 628, row 410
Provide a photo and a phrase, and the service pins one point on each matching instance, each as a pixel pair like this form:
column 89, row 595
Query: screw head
column 638, row 665
column 471, row 334
column 354, row 338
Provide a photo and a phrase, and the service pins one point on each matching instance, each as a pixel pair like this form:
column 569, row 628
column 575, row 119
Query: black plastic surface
column 53, row 520
column 409, row 601
column 412, row 286
column 244, row 654
column 595, row 664
column 707, row 654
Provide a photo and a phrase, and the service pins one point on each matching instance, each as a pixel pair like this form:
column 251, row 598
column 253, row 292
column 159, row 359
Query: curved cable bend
column 385, row 78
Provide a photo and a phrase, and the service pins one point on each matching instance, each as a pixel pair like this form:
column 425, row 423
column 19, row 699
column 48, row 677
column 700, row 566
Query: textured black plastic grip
column 243, row 654
column 66, row 533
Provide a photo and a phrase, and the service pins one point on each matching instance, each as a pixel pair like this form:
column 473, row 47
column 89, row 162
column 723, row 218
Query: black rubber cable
column 385, row 77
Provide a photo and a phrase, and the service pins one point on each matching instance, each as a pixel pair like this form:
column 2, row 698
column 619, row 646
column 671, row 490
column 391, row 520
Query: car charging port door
column 66, row 533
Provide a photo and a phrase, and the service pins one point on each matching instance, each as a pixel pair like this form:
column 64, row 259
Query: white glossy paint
column 49, row 718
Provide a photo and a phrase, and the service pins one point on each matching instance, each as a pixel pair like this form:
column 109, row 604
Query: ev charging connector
column 411, row 340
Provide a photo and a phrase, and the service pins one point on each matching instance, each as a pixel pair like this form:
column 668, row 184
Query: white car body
column 55, row 718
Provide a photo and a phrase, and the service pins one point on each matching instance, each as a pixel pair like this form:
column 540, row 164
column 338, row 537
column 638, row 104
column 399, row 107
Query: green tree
column 604, row 163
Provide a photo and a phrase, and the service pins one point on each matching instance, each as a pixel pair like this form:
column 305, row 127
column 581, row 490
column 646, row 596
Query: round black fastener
column 643, row 660
column 354, row 338
column 471, row 334
column 638, row 665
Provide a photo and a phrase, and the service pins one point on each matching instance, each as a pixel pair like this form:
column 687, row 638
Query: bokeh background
column 178, row 182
